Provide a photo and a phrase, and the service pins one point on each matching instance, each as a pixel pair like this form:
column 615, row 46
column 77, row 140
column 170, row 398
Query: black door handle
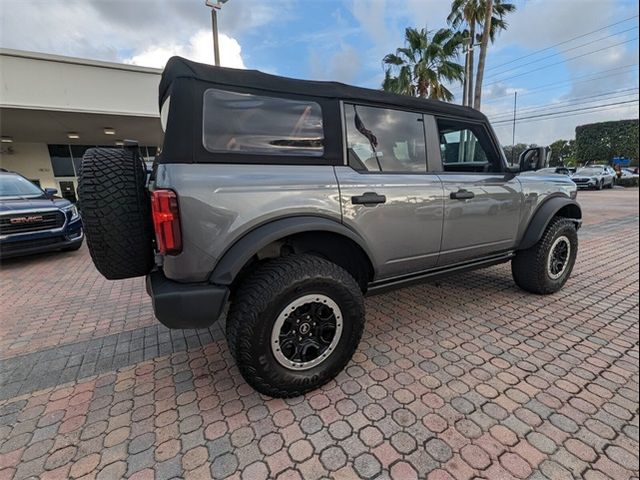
column 462, row 195
column 368, row 198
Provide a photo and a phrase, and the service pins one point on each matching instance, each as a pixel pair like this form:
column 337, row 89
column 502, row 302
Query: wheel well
column 328, row 245
column 570, row 211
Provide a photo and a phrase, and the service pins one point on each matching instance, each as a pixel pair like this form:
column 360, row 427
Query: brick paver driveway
column 461, row 378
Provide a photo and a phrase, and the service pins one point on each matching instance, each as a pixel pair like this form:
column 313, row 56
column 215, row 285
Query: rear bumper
column 185, row 305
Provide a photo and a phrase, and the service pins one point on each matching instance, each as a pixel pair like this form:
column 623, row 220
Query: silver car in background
column 594, row 177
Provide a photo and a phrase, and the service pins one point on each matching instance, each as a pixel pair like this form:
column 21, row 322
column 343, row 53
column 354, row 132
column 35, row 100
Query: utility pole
column 513, row 133
column 214, row 27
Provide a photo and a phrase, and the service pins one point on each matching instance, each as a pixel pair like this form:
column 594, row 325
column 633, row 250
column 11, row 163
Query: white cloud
column 384, row 23
column 199, row 48
column 342, row 66
column 117, row 30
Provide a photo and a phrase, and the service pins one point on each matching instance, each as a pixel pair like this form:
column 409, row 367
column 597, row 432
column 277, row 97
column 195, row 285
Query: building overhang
column 45, row 97
column 53, row 127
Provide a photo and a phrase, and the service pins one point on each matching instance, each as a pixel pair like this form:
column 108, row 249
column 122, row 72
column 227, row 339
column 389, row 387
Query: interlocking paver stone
column 333, row 458
column 367, row 465
column 465, row 377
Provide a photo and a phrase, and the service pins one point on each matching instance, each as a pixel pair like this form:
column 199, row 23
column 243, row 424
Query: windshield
column 16, row 186
column 589, row 171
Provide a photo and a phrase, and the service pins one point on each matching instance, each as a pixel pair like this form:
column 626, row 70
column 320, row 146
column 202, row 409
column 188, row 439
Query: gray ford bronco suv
column 289, row 200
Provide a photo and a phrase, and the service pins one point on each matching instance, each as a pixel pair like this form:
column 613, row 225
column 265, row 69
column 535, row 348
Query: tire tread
column 254, row 296
column 116, row 212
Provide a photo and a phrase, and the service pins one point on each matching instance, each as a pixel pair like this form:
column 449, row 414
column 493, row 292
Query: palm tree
column 424, row 64
column 466, row 12
column 473, row 14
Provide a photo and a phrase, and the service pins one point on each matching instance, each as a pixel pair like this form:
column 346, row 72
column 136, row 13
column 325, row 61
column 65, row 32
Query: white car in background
column 595, row 177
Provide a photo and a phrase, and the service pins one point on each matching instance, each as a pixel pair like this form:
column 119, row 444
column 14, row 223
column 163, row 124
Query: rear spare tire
column 116, row 212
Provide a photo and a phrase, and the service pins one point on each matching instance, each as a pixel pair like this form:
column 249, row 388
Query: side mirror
column 535, row 158
column 50, row 192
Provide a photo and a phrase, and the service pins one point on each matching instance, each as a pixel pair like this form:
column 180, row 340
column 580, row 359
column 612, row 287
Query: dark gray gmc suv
column 289, row 200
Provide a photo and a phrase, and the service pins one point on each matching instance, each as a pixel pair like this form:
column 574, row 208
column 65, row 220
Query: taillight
column 166, row 221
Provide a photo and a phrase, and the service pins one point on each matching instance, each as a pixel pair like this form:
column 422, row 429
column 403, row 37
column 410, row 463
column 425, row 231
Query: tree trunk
column 483, row 53
column 466, row 77
column 472, row 34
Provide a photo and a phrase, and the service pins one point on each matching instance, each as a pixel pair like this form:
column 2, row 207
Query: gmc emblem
column 31, row 219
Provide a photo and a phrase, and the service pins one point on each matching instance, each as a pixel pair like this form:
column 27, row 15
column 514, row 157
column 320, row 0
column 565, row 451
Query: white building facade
column 53, row 108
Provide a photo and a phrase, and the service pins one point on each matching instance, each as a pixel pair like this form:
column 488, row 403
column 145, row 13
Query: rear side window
column 385, row 140
column 247, row 123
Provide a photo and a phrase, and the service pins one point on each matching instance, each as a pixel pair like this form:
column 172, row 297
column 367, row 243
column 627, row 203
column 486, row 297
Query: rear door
column 387, row 194
column 482, row 203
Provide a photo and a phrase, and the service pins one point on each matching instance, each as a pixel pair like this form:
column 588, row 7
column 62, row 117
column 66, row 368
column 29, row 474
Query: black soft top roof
column 178, row 67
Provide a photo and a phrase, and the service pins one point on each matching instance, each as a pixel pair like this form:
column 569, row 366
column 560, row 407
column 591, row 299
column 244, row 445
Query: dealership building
column 52, row 108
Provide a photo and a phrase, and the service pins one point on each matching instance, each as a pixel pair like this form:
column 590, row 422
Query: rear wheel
column 294, row 324
column 116, row 212
column 545, row 267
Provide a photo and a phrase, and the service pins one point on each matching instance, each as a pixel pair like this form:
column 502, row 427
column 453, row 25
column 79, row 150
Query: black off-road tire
column 116, row 212
column 529, row 267
column 261, row 298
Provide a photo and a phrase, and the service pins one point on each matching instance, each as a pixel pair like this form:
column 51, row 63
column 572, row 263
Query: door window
column 385, row 140
column 466, row 148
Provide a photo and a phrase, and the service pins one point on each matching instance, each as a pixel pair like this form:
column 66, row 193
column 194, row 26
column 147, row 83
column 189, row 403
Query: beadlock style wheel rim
column 558, row 257
column 306, row 332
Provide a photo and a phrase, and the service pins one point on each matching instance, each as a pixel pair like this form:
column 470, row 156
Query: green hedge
column 600, row 142
column 628, row 181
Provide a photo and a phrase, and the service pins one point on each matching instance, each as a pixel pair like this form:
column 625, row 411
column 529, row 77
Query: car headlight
column 594, row 179
column 74, row 212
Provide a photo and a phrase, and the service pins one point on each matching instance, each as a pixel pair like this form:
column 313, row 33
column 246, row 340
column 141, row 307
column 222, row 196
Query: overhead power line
column 579, row 79
column 507, row 124
column 563, row 43
column 543, row 67
column 551, row 114
column 571, row 102
column 562, row 51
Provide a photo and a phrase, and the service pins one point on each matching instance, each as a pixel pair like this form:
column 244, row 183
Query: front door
column 387, row 196
column 482, row 203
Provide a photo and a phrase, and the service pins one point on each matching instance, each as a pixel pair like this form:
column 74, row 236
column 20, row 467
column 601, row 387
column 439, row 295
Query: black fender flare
column 544, row 214
column 237, row 256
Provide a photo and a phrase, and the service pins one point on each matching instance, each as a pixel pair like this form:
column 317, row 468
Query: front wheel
column 294, row 324
column 545, row 267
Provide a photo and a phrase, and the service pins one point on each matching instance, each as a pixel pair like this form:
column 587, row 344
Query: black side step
column 385, row 285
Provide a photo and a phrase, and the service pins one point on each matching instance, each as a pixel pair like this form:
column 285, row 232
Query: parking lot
column 460, row 378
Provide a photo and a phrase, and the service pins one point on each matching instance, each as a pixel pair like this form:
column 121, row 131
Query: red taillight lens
column 166, row 221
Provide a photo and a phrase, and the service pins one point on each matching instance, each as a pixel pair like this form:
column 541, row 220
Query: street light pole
column 513, row 132
column 214, row 27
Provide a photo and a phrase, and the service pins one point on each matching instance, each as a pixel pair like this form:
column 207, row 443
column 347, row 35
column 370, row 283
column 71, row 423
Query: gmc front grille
column 30, row 222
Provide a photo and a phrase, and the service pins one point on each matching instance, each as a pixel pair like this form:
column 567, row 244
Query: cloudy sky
column 559, row 55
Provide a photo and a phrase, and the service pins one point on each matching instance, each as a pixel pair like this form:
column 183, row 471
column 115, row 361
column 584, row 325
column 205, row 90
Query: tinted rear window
column 247, row 123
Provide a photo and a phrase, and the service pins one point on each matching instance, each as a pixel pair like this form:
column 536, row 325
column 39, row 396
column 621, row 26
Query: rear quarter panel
column 536, row 189
column 219, row 203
